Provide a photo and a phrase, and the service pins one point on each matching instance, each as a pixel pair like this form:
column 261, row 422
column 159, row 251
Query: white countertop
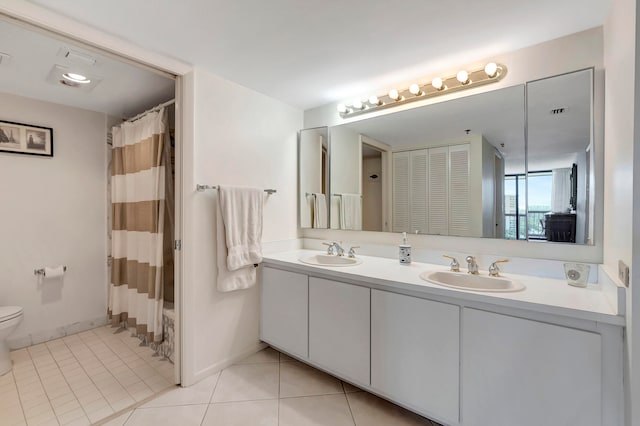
column 545, row 295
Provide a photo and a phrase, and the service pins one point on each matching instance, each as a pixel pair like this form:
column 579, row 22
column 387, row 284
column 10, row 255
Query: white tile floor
column 269, row 389
column 80, row 379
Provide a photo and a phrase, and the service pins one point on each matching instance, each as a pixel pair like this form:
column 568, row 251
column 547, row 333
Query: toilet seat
column 9, row 312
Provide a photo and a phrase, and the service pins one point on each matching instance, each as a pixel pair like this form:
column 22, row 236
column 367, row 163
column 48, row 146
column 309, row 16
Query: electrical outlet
column 623, row 273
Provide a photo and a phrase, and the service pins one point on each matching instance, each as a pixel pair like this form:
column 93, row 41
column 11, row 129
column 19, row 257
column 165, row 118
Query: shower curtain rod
column 156, row 108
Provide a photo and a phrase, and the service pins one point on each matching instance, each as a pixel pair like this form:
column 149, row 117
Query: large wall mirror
column 512, row 163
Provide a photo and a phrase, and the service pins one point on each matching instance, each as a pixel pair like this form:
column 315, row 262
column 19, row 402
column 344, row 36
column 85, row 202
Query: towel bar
column 201, row 188
column 340, row 195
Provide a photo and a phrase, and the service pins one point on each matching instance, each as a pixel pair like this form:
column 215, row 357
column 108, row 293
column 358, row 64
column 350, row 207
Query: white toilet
column 10, row 317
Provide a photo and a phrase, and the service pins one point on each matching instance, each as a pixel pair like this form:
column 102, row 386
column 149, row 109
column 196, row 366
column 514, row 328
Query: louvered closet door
column 438, row 191
column 459, row 207
column 418, row 215
column 400, row 191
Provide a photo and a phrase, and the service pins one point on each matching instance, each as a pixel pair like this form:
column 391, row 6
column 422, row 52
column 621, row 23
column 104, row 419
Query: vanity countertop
column 544, row 295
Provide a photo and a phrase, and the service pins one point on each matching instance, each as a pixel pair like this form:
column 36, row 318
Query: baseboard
column 213, row 369
column 18, row 342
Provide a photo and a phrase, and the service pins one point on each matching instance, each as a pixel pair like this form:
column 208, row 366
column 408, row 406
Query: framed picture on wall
column 19, row 138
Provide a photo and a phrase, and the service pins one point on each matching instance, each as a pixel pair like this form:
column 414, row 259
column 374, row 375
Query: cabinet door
column 400, row 214
column 527, row 373
column 415, row 352
column 418, row 216
column 410, row 210
column 459, row 206
column 339, row 334
column 284, row 310
column 438, row 191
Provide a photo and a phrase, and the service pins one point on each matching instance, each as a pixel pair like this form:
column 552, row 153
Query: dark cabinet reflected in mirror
column 459, row 167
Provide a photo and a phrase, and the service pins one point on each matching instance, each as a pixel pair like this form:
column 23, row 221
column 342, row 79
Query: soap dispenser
column 405, row 250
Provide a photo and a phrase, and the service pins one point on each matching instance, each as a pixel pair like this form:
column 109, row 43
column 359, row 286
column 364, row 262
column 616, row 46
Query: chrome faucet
column 352, row 252
column 472, row 266
column 330, row 248
column 334, row 248
column 454, row 265
column 494, row 269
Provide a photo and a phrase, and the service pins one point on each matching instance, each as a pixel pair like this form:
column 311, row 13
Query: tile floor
column 269, row 389
column 80, row 379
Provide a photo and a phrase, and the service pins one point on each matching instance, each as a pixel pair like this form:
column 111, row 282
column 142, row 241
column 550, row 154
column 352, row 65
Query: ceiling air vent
column 558, row 111
column 5, row 58
column 77, row 57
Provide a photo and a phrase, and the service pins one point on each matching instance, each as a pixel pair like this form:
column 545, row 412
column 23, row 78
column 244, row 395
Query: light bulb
column 342, row 108
column 357, row 104
column 393, row 94
column 437, row 83
column 463, row 77
column 491, row 69
column 414, row 89
column 373, row 100
column 76, row 78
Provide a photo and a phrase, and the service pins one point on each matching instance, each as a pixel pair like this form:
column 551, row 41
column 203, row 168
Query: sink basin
column 330, row 260
column 471, row 282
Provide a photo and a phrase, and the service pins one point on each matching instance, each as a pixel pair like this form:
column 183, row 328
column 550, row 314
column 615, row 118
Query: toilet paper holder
column 42, row 272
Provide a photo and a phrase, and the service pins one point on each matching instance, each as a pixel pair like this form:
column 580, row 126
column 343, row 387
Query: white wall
column 345, row 170
column 531, row 63
column 310, row 172
column 235, row 137
column 581, row 197
column 621, row 192
column 488, row 189
column 53, row 212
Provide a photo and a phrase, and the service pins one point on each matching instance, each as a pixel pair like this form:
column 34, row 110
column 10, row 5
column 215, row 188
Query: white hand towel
column 351, row 212
column 319, row 210
column 239, row 234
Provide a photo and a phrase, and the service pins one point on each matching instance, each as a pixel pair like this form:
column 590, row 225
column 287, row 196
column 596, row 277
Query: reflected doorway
column 372, row 198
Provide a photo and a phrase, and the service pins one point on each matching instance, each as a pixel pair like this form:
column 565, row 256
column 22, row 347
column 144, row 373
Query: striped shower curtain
column 138, row 224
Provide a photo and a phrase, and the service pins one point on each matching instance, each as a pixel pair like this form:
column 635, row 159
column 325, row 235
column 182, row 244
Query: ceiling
column 123, row 90
column 567, row 132
column 310, row 53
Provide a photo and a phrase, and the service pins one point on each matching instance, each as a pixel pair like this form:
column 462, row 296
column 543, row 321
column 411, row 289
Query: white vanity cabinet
column 415, row 347
column 339, row 318
column 285, row 311
column 527, row 373
column 450, row 357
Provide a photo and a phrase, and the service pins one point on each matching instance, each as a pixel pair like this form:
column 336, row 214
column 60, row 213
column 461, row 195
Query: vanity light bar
column 491, row 73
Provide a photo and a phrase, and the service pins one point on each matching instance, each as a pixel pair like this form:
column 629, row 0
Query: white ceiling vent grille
column 79, row 58
column 5, row 58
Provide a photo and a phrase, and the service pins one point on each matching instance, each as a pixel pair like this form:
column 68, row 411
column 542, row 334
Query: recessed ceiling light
column 76, row 78
column 73, row 77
